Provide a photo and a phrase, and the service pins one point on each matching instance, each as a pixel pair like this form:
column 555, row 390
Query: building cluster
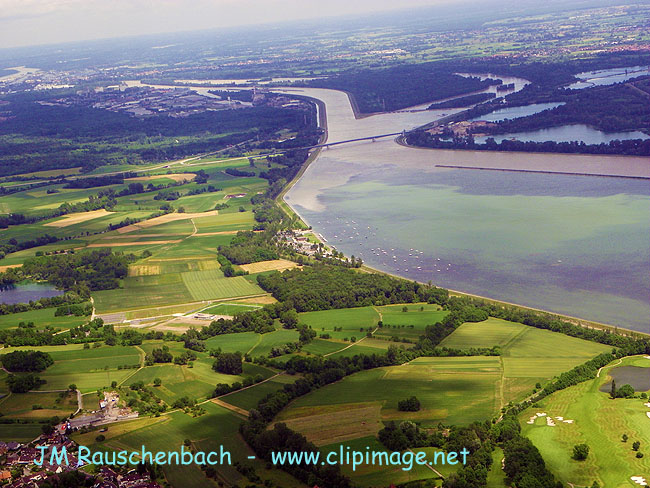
column 19, row 468
column 461, row 129
column 146, row 101
column 299, row 242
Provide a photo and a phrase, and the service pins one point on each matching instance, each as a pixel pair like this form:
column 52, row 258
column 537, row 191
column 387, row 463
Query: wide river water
column 577, row 245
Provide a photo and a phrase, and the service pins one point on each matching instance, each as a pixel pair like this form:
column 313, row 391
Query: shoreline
column 322, row 115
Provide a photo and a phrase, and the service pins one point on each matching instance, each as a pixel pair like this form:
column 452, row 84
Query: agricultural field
column 42, row 318
column 350, row 320
column 454, row 390
column 250, row 397
column 598, row 421
column 38, row 405
column 229, row 309
column 451, row 390
column 370, row 476
column 264, row 266
column 211, row 284
column 20, row 432
column 90, row 369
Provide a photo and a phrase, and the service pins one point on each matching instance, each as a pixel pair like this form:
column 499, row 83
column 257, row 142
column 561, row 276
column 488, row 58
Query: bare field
column 125, row 244
column 5, row 268
column 173, row 176
column 76, row 218
column 336, row 423
column 144, row 270
column 163, row 219
column 274, row 265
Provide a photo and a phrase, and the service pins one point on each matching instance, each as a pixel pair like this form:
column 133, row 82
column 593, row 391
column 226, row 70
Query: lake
column 567, row 133
column 608, row 76
column 24, row 292
column 578, row 245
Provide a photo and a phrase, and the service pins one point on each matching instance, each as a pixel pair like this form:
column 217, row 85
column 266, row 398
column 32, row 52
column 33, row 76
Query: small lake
column 24, row 292
column 515, row 112
column 608, row 76
column 567, row 133
column 638, row 378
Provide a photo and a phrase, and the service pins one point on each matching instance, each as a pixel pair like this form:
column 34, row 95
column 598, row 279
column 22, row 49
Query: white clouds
column 26, row 22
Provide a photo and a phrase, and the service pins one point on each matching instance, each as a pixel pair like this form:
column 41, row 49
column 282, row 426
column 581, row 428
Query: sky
column 35, row 22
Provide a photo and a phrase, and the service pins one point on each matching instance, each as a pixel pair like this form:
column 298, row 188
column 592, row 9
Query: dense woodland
column 322, row 287
column 401, row 86
column 37, row 137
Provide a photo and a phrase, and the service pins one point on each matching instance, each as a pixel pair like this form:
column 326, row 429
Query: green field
column 249, row 398
column 599, row 422
column 349, row 319
column 42, row 318
column 90, row 369
column 21, row 405
column 229, row 309
column 273, row 339
column 206, row 285
column 451, row 390
column 372, row 476
column 20, row 432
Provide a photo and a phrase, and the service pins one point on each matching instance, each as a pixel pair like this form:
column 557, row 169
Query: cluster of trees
column 74, row 309
column 23, row 383
column 323, row 287
column 250, row 247
column 409, row 404
column 629, row 147
column 26, row 361
column 228, row 363
column 158, row 355
column 625, row 391
column 99, row 269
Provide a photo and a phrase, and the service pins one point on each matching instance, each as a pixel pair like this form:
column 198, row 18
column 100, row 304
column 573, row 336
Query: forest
column 323, row 287
column 627, row 147
column 37, row 137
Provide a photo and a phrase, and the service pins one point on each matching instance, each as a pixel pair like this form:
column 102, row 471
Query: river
column 577, row 245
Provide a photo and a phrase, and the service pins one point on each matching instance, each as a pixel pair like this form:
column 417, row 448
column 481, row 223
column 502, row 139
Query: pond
column 638, row 378
column 24, row 292
column 567, row 133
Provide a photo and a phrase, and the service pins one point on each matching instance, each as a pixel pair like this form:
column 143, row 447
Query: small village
column 19, row 468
